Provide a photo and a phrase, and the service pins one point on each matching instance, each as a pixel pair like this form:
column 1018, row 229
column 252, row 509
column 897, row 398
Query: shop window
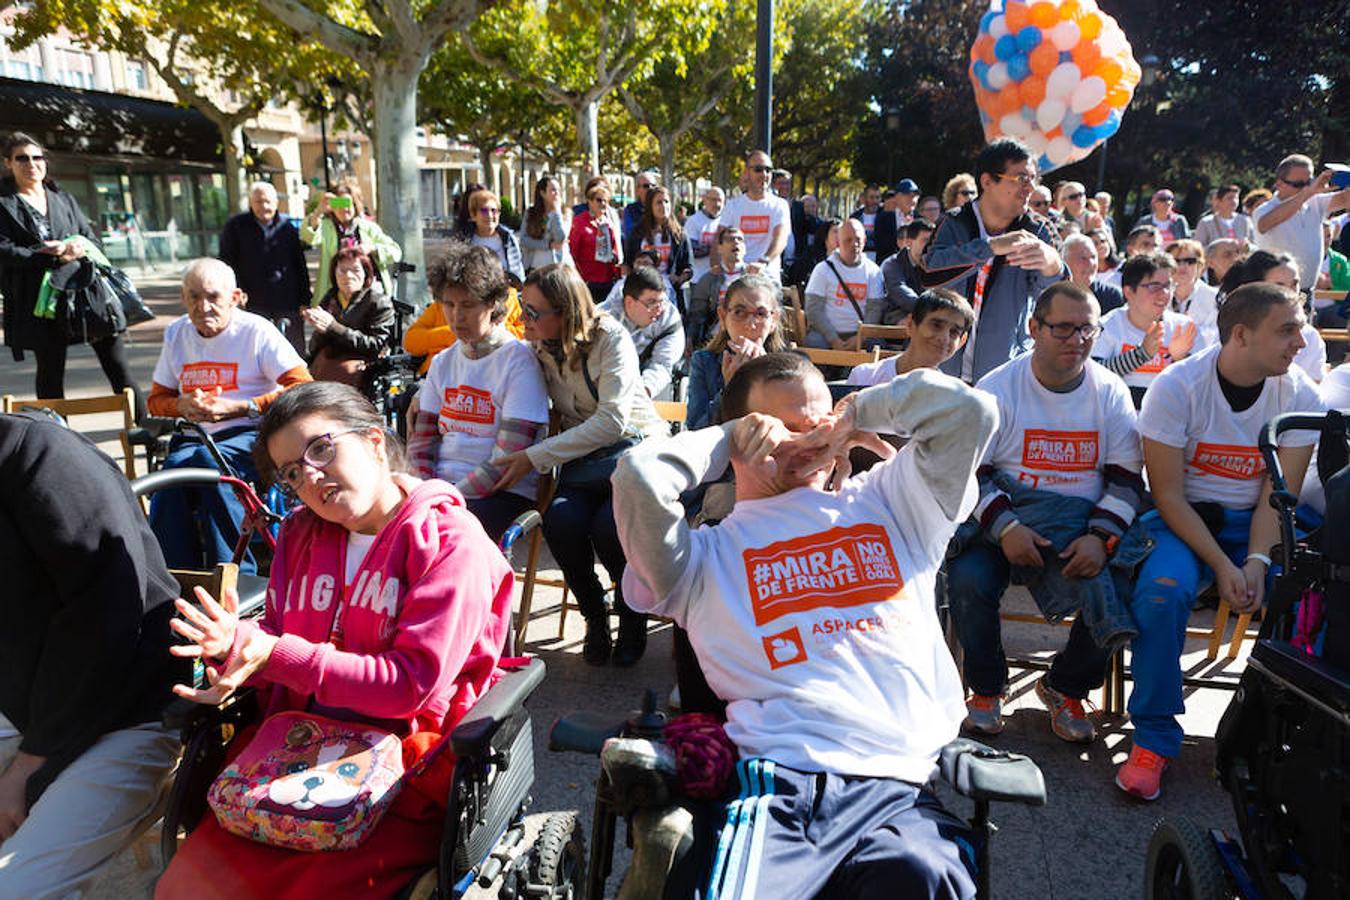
column 137, row 80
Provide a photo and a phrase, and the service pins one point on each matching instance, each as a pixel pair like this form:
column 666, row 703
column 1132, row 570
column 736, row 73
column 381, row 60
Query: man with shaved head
column 701, row 229
column 220, row 367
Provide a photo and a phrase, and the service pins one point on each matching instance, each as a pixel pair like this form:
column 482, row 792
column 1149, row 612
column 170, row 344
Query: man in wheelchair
column 84, row 664
column 222, row 367
column 812, row 612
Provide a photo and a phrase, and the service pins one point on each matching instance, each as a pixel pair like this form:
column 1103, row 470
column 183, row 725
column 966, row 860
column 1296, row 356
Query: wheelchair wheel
column 1184, row 864
column 559, row 861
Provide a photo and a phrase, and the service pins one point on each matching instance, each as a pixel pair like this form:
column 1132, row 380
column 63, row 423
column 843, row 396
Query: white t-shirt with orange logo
column 471, row 397
column 244, row 361
column 1061, row 442
column 863, row 280
column 757, row 219
column 1120, row 335
column 1186, row 408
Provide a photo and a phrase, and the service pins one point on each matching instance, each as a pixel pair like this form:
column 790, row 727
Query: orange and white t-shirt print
column 1057, row 454
column 838, row 568
column 1240, row 463
column 467, row 405
column 207, row 376
column 1119, row 335
column 754, row 225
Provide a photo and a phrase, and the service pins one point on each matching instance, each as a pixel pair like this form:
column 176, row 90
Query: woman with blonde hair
column 339, row 222
column 593, row 378
column 485, row 229
column 959, row 191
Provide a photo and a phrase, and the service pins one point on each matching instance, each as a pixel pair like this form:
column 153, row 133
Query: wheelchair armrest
column 252, row 595
column 981, row 772
column 170, row 478
column 522, row 525
column 183, row 715
column 584, row 732
column 476, row 730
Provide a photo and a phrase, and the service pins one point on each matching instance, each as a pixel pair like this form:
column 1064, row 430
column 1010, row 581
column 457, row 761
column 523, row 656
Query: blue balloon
column 1065, row 56
column 1005, row 48
column 983, row 75
column 1028, row 38
column 1084, row 137
column 1044, row 164
column 986, row 21
column 1019, row 67
column 1071, row 122
column 980, row 68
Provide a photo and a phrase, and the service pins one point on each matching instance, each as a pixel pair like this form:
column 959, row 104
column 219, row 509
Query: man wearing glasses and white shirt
column 653, row 323
column 1291, row 221
column 762, row 216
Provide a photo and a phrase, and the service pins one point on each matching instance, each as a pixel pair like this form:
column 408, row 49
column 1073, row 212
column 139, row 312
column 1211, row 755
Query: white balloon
column 1090, row 92
column 1065, row 36
column 1062, row 80
column 998, row 27
column 1113, row 42
column 1059, row 150
column 1050, row 113
column 1036, row 143
column 1014, row 125
column 998, row 76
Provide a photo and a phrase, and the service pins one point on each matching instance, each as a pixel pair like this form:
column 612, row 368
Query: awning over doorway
column 80, row 122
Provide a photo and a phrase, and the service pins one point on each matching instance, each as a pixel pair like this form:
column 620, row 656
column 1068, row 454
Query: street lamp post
column 764, row 76
column 891, row 124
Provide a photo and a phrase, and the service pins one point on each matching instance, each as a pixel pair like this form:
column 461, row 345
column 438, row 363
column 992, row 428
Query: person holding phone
column 1291, row 221
column 338, row 222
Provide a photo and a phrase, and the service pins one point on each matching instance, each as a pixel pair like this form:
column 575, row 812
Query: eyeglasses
column 1187, row 260
column 746, row 313
column 597, row 199
column 534, row 315
column 760, row 169
column 319, row 454
column 966, row 193
column 1078, row 196
column 652, row 304
column 1022, row 178
column 1297, row 185
column 1156, row 287
column 1062, row 331
column 1164, row 199
column 30, row 157
column 489, row 211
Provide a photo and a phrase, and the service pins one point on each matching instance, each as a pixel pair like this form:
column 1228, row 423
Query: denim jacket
column 1103, row 599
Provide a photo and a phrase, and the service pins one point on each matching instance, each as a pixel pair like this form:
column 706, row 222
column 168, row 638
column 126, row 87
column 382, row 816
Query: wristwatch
column 1109, row 540
column 253, row 409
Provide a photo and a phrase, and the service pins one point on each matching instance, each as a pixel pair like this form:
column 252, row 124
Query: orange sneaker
column 984, row 714
column 1141, row 774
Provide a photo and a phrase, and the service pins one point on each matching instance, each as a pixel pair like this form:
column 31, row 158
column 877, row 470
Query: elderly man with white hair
column 701, row 229
column 1080, row 255
column 220, row 367
column 263, row 248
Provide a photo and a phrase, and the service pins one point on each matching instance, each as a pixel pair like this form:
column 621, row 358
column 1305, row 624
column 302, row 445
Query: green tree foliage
column 223, row 60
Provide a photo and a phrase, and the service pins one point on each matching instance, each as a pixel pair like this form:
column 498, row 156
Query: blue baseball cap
column 907, row 186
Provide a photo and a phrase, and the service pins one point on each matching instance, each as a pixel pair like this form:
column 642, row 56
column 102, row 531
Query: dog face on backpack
column 312, row 773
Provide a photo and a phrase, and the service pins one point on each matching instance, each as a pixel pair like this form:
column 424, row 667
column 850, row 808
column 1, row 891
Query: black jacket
column 362, row 329
column 269, row 266
column 86, row 600
column 22, row 266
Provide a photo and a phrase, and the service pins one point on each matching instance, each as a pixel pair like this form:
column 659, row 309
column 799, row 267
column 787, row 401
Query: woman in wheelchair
column 387, row 610
column 352, row 323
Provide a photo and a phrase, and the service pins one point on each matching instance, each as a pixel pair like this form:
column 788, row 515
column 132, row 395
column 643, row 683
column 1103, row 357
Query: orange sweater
column 431, row 334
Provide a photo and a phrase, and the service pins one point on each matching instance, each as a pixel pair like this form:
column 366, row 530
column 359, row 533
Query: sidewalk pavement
column 1088, row 842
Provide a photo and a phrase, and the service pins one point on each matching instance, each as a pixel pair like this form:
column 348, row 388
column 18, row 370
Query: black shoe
column 632, row 641
column 598, row 644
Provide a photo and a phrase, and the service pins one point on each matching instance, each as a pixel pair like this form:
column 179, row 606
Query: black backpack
column 87, row 307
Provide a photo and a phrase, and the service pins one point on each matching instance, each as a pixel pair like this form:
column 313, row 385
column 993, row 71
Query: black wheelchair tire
column 559, row 862
column 1184, row 864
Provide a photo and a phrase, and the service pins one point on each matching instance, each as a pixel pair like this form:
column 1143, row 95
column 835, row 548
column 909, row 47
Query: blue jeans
column 1164, row 594
column 976, row 580
column 197, row 527
column 579, row 525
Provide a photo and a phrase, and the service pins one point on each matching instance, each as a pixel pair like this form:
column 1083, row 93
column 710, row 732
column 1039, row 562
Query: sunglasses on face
column 319, row 454
column 1297, row 185
column 1074, row 196
column 30, row 158
column 761, row 169
column 1037, row 204
column 532, row 314
column 967, row 193
column 1187, row 260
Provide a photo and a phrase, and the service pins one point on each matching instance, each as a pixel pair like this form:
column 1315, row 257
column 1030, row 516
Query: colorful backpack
column 306, row 782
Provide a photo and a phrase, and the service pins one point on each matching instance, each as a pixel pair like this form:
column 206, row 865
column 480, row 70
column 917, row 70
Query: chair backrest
column 215, row 581
column 124, row 403
column 846, row 358
column 884, row 332
column 1334, row 334
column 796, row 313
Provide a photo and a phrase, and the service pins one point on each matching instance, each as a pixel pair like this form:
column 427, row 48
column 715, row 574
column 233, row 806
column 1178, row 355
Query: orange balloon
column 1090, row 26
column 1109, row 70
column 983, row 100
column 1044, row 15
column 1117, row 96
column 1054, row 133
column 1131, row 72
column 1070, row 10
column 1097, row 115
column 983, row 48
column 1044, row 58
column 1008, row 100
column 1017, row 15
column 1086, row 55
column 1032, row 90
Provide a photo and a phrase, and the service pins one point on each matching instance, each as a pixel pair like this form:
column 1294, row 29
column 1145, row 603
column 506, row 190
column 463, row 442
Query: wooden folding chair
column 888, row 333
column 845, row 358
column 794, row 305
column 124, row 403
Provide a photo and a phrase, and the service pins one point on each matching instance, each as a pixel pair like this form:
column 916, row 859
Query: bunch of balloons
column 1055, row 74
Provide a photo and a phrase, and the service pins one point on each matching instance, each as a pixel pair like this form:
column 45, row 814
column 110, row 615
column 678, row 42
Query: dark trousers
column 976, row 580
column 112, row 357
column 599, row 290
column 496, row 512
column 579, row 526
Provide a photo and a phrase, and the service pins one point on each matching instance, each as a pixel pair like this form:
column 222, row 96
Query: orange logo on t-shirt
column 785, row 648
column 1234, row 461
column 1059, row 451
column 754, row 225
column 1152, row 367
column 208, row 376
column 469, row 404
column 857, row 288
column 837, row 568
column 662, row 251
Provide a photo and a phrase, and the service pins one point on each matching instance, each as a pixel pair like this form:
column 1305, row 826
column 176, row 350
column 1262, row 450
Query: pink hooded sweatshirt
column 423, row 625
